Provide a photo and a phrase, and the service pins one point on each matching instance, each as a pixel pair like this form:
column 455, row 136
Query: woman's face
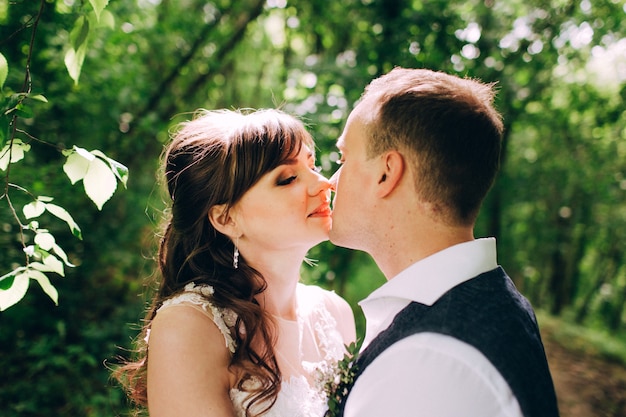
column 288, row 208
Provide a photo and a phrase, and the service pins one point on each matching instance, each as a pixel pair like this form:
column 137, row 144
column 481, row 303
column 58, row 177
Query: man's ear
column 393, row 167
column 222, row 220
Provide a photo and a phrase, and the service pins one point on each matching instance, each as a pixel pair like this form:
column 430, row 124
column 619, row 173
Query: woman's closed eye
column 287, row 180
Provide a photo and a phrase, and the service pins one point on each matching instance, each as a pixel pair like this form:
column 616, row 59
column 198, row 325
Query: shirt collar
column 428, row 279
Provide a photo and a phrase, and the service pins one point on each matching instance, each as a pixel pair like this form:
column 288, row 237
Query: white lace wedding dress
column 304, row 346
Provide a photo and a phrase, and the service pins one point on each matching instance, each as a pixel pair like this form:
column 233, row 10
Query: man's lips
column 322, row 211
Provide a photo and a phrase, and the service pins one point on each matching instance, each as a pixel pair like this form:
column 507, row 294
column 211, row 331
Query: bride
column 231, row 331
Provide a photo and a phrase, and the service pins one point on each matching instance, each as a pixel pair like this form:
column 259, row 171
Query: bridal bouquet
column 336, row 377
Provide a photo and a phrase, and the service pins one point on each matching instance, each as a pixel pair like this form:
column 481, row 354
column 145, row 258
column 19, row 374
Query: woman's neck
column 282, row 275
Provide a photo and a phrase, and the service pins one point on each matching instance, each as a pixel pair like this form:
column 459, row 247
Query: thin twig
column 26, row 89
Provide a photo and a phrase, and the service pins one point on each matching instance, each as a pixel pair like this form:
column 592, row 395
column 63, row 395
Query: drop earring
column 236, row 255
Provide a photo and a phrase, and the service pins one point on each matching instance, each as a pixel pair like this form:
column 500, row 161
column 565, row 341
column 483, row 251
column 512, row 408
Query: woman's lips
column 322, row 211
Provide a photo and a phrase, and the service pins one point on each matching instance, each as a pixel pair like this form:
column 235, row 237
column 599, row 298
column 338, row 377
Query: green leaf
column 6, row 282
column 24, row 111
column 79, row 32
column 7, row 279
column 98, row 6
column 34, row 225
column 4, row 129
column 107, row 19
column 16, row 292
column 45, row 284
column 76, row 166
column 39, row 97
column 4, row 70
column 74, row 61
column 62, row 214
column 12, row 153
column 120, row 171
column 14, row 100
column 99, row 182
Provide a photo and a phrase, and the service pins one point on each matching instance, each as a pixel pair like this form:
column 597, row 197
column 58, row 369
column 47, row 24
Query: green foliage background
column 558, row 208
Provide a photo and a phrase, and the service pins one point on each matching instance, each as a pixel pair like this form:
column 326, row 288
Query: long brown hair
column 211, row 160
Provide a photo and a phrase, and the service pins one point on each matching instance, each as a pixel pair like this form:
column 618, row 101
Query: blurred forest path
column 587, row 384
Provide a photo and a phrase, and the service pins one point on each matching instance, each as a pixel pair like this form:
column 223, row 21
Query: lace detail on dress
column 300, row 395
column 295, row 399
column 199, row 295
column 329, row 338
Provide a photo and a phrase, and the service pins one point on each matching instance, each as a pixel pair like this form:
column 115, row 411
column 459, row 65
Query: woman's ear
column 221, row 219
column 393, row 167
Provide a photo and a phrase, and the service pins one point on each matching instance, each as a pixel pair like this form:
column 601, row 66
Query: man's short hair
column 448, row 129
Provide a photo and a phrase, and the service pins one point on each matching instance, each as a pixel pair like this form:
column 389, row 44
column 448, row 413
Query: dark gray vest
column 488, row 313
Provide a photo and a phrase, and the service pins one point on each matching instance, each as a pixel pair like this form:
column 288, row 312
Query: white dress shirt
column 430, row 374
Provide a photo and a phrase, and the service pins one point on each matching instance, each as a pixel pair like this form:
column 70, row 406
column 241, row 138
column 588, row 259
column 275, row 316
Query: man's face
column 354, row 185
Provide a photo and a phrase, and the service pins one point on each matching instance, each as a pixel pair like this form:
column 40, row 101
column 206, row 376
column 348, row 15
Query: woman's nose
column 320, row 184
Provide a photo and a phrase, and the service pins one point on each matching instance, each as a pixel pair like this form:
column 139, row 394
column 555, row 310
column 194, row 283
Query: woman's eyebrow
column 294, row 160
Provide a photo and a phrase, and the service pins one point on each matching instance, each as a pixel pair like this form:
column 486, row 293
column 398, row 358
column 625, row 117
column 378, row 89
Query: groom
column 448, row 334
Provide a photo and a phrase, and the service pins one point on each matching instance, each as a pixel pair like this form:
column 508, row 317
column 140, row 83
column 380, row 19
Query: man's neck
column 414, row 244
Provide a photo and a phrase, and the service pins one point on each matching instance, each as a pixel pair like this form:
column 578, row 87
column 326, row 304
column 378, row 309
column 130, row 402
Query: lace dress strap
column 198, row 296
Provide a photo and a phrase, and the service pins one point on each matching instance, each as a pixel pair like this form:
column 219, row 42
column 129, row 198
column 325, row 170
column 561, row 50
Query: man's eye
column 287, row 181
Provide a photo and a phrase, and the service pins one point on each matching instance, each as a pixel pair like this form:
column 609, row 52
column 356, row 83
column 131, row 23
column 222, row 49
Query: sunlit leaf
column 34, row 209
column 61, row 254
column 54, row 264
column 11, row 154
column 46, row 286
column 107, row 19
column 62, row 214
column 99, row 182
column 16, row 292
column 39, row 97
column 39, row 267
column 84, row 153
column 74, row 61
column 120, row 171
column 98, row 6
column 44, row 240
column 4, row 70
column 76, row 167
